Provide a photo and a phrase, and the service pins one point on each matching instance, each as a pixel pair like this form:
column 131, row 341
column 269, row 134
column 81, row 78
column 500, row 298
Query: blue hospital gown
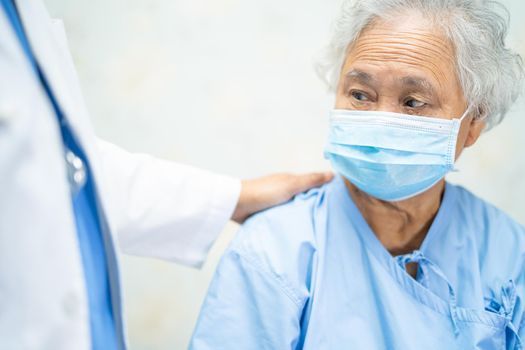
column 311, row 274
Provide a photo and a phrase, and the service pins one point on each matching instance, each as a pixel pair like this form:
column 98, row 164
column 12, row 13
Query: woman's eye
column 414, row 103
column 359, row 96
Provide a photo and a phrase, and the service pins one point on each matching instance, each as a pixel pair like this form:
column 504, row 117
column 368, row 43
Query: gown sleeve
column 247, row 308
column 164, row 209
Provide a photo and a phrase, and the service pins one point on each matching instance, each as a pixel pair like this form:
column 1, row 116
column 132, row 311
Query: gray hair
column 490, row 74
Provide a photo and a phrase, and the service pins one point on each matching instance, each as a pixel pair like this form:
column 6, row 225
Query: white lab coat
column 151, row 207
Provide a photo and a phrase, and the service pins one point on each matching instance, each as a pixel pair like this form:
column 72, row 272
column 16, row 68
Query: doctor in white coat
column 69, row 201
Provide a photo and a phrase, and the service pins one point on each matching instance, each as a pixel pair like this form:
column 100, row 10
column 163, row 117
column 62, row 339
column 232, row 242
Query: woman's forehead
column 404, row 46
column 409, row 27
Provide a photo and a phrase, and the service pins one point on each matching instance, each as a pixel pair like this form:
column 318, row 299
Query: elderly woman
column 388, row 255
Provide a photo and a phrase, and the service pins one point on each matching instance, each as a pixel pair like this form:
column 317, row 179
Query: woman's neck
column 400, row 226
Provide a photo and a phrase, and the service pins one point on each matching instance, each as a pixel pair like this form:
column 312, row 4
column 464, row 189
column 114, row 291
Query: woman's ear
column 477, row 125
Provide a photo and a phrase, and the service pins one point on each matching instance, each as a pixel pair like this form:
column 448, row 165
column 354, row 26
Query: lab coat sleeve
column 247, row 308
column 163, row 209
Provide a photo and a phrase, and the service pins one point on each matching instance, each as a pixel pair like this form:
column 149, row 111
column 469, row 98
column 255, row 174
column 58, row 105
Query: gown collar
column 445, row 215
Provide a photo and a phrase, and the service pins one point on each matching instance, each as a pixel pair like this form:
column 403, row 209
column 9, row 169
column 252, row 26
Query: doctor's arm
column 175, row 212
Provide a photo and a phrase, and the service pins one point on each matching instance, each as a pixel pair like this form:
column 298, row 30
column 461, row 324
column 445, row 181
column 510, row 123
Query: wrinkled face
column 404, row 66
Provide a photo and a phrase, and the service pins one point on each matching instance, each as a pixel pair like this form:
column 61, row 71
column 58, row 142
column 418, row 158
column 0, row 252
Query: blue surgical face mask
column 391, row 156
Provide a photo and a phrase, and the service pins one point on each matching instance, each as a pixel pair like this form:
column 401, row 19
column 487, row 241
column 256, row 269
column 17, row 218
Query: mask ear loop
column 467, row 111
column 477, row 120
column 457, row 125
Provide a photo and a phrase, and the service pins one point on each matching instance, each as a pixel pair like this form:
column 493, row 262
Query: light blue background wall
column 228, row 85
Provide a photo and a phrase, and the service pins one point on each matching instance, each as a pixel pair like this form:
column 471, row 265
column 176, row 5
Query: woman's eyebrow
column 418, row 83
column 359, row 76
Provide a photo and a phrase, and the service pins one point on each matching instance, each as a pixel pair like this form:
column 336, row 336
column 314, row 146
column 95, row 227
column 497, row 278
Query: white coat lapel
column 49, row 54
column 49, row 45
column 12, row 59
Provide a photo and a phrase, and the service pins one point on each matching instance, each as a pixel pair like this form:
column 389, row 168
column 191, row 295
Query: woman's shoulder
column 500, row 239
column 282, row 240
column 488, row 218
column 283, row 227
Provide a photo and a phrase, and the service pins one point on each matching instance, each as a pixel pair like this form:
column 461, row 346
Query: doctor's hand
column 265, row 192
